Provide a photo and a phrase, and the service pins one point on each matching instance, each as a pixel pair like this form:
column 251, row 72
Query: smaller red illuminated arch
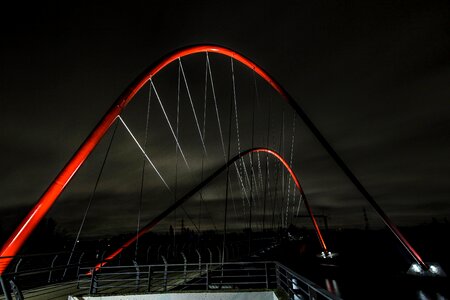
column 191, row 193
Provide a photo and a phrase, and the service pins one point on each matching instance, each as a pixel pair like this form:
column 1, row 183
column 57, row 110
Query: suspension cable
column 232, row 199
column 205, row 105
column 176, row 150
column 243, row 194
column 208, row 63
column 204, row 136
column 260, row 176
column 260, row 188
column 90, row 200
column 252, row 174
column 143, row 152
column 275, row 193
column 290, row 165
column 266, row 186
column 228, row 167
column 241, row 164
column 192, row 104
column 257, row 105
column 190, row 218
column 204, row 154
column 216, row 107
column 299, row 203
column 168, row 122
column 141, row 195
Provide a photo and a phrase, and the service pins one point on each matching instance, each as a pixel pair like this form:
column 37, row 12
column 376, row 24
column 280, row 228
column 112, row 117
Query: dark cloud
column 373, row 76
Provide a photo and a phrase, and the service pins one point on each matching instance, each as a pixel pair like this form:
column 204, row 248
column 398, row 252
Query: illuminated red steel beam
column 192, row 192
column 19, row 236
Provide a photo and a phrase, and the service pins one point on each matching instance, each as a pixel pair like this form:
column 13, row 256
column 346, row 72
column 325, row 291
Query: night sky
column 372, row 75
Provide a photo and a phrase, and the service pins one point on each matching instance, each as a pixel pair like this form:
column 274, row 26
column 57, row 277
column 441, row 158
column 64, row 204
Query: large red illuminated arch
column 18, row 237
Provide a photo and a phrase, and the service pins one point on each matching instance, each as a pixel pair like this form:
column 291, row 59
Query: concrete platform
column 266, row 295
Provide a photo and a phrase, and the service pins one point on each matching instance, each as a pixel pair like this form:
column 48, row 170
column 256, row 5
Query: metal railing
column 37, row 271
column 36, row 274
column 268, row 275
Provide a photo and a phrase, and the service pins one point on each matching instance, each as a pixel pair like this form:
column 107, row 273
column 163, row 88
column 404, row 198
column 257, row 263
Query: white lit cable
column 290, row 165
column 192, row 105
column 168, row 122
column 215, row 105
column 143, row 152
column 241, row 161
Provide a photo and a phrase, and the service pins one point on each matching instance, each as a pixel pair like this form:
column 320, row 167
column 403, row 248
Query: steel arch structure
column 19, row 236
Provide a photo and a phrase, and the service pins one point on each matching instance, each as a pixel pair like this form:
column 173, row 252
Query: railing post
column 277, row 274
column 5, row 289
column 199, row 262
column 312, row 293
column 16, row 292
column 93, row 285
column 16, row 269
column 51, row 268
column 290, row 285
column 165, row 272
column 207, row 276
column 79, row 264
column 149, row 278
column 185, row 266
column 210, row 256
column 267, row 276
column 138, row 277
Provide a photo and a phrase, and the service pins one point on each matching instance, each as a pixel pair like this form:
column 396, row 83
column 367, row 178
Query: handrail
column 257, row 275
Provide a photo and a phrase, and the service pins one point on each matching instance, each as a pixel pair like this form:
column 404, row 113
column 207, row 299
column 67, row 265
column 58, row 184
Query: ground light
column 434, row 270
column 327, row 254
